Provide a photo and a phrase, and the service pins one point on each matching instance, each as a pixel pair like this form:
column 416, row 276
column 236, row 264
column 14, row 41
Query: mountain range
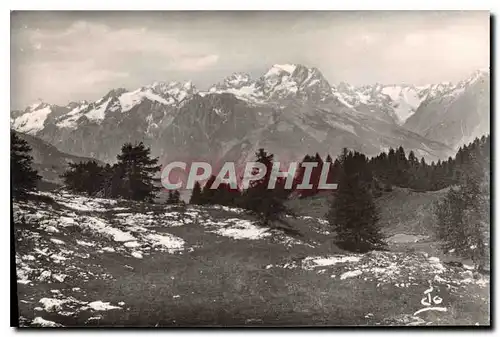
column 290, row 110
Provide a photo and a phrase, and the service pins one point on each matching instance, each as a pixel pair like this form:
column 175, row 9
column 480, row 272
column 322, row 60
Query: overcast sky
column 68, row 56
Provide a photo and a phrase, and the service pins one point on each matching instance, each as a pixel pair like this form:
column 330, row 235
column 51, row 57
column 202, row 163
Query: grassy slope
column 401, row 211
column 217, row 280
column 407, row 211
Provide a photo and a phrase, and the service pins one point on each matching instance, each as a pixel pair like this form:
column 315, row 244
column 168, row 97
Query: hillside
column 402, row 209
column 48, row 160
column 100, row 262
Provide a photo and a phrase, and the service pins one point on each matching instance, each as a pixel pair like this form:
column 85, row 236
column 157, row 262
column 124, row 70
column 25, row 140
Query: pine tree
column 451, row 173
column 463, row 217
column 401, row 175
column 227, row 196
column 299, row 175
column 353, row 213
column 137, row 170
column 196, row 195
column 84, row 177
column 112, row 186
column 174, row 197
column 207, row 193
column 413, row 169
column 438, row 176
column 267, row 204
column 224, row 194
column 392, row 165
column 412, row 159
column 23, row 177
column 330, row 179
column 315, row 176
column 463, row 222
column 423, row 176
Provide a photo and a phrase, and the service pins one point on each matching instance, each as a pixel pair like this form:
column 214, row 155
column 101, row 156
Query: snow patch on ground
column 170, row 242
column 45, row 323
column 85, row 243
column 330, row 260
column 57, row 241
column 101, row 306
column 102, row 227
column 406, row 238
column 52, row 304
column 239, row 229
column 399, row 269
column 351, row 273
column 132, row 244
column 228, row 209
column 80, row 203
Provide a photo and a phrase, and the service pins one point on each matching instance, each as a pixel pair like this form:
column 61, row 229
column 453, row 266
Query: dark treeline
column 132, row 176
column 396, row 169
column 224, row 194
column 315, row 177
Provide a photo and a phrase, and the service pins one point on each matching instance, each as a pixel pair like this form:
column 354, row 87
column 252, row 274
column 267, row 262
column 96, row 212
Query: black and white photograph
column 250, row 168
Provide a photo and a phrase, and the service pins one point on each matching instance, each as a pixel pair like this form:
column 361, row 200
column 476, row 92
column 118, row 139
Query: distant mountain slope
column 48, row 160
column 393, row 102
column 457, row 116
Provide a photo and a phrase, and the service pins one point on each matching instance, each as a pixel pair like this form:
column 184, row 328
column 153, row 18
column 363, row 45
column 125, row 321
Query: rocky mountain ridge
column 291, row 109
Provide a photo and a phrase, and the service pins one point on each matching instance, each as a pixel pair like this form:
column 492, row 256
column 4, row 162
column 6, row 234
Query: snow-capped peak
column 237, row 80
column 73, row 105
column 277, row 69
column 175, row 90
column 121, row 100
column 113, row 93
column 399, row 101
column 285, row 81
column 33, row 120
column 396, row 102
column 37, row 105
column 478, row 74
column 188, row 85
column 281, row 81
